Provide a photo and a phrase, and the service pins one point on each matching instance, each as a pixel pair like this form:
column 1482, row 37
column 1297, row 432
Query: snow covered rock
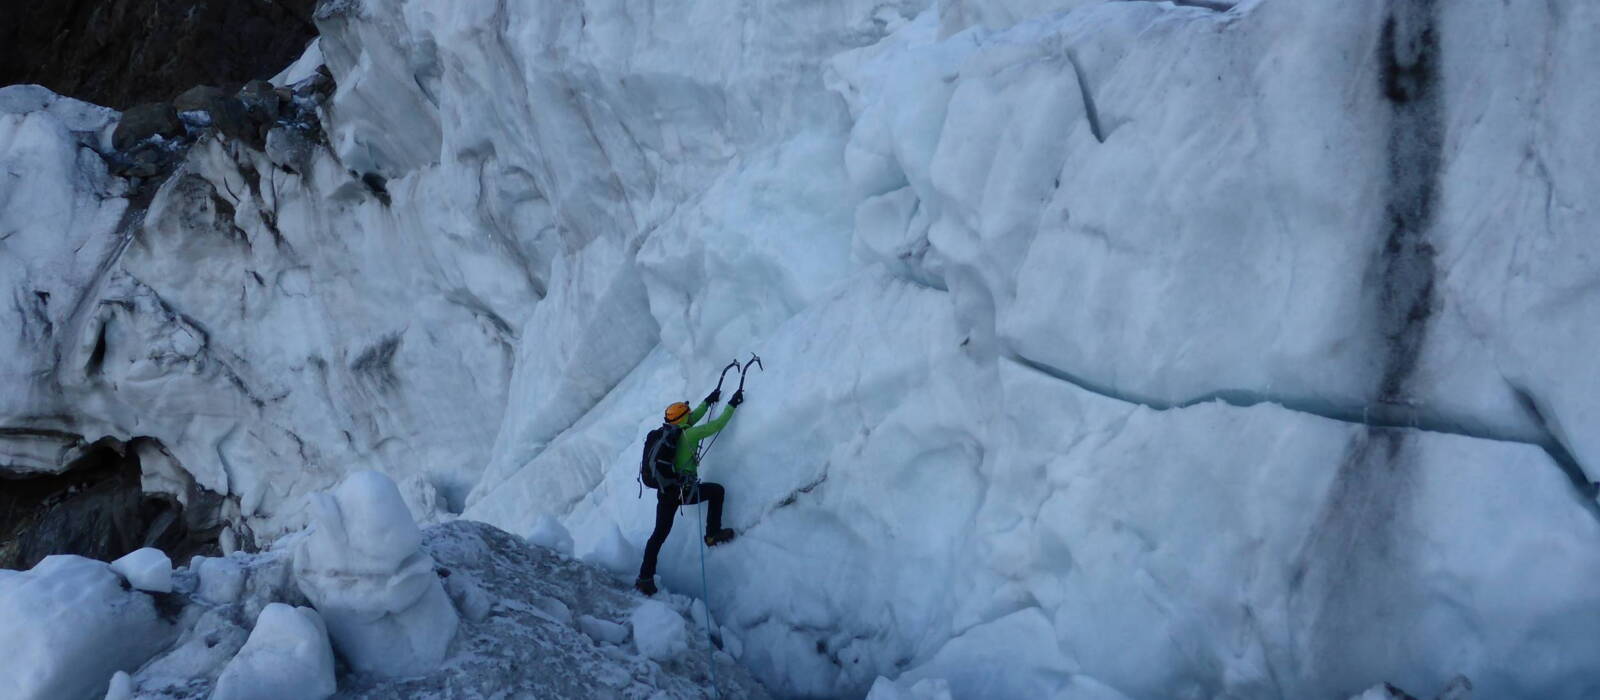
column 70, row 626
column 286, row 656
column 222, row 579
column 602, row 631
column 362, row 568
column 470, row 599
column 146, row 569
column 523, row 651
column 212, row 636
column 658, row 631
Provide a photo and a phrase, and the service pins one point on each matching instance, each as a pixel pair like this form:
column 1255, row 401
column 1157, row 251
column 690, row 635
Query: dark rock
column 144, row 160
column 337, row 9
column 224, row 113
column 260, row 101
column 142, row 122
column 232, row 120
column 200, row 98
column 124, row 52
column 315, row 88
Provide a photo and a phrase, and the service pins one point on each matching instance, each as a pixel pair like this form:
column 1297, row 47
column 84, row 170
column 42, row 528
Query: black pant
column 667, row 502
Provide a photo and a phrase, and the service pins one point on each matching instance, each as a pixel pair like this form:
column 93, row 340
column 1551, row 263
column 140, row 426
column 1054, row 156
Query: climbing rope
column 705, row 586
column 705, row 600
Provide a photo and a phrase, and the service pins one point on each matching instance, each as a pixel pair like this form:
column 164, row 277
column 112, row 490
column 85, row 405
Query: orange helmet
column 677, row 411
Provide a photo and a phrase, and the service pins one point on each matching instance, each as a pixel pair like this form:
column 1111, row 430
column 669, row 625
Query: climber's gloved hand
column 714, row 396
column 738, row 398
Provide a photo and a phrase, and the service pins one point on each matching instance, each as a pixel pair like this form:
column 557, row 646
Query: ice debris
column 287, row 656
column 70, row 624
column 146, row 569
column 363, row 569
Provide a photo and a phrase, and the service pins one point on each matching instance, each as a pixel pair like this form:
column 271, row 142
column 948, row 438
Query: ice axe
column 731, row 365
column 745, row 370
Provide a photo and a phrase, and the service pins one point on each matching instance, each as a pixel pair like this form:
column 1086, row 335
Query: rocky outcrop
column 145, row 121
column 152, row 138
column 127, row 52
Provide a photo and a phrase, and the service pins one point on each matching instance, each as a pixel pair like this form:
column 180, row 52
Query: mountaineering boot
column 715, row 538
column 646, row 586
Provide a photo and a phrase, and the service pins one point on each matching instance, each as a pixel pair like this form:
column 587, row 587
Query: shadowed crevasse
column 97, row 508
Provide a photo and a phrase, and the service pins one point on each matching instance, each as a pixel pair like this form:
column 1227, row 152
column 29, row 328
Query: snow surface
column 1138, row 349
column 146, row 569
column 286, row 656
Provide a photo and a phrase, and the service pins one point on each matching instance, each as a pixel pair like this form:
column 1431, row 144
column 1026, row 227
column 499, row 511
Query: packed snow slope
column 533, row 622
column 1113, row 349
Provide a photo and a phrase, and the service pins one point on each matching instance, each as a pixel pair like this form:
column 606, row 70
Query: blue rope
column 705, row 599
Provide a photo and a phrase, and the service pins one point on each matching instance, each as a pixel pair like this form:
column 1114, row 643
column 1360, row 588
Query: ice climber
column 669, row 467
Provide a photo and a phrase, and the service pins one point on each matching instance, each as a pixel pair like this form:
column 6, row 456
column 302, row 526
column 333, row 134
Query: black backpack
column 657, row 469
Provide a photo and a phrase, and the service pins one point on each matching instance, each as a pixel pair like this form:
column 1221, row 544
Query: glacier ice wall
column 1171, row 350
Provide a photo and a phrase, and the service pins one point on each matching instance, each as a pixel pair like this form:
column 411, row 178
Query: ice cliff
column 1113, row 349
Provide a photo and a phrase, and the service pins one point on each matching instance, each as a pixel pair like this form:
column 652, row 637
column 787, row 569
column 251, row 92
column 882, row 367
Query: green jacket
column 683, row 462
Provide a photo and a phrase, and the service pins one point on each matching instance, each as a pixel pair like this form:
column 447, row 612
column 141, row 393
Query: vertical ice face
column 59, row 221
